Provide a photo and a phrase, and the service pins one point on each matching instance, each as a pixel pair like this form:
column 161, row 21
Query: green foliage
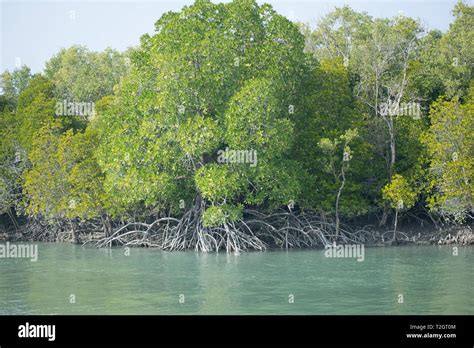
column 336, row 160
column 214, row 76
column 198, row 136
column 445, row 63
column 80, row 75
column 450, row 145
column 331, row 110
column 36, row 108
column 218, row 183
column 426, row 71
column 12, row 84
column 254, row 120
column 382, row 59
column 337, row 32
column 336, row 156
column 457, row 52
column 399, row 193
column 12, row 155
column 220, row 215
column 10, row 189
column 64, row 180
column 299, row 108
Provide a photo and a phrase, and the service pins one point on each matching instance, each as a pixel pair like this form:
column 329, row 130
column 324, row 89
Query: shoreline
column 409, row 235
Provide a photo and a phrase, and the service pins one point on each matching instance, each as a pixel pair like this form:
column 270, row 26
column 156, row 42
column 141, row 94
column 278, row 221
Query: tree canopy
column 231, row 116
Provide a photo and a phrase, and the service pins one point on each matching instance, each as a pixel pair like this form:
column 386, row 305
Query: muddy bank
column 417, row 235
column 409, row 234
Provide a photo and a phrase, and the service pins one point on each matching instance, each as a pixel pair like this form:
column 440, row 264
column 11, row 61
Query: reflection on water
column 431, row 280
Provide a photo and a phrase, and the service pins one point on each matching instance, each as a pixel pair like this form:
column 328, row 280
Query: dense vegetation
column 233, row 127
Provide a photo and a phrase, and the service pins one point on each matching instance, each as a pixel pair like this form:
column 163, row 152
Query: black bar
column 222, row 330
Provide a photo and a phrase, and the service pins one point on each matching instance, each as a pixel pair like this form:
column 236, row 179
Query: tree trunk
column 395, row 226
column 12, row 218
column 75, row 238
column 392, row 147
column 383, row 220
column 337, row 201
column 107, row 228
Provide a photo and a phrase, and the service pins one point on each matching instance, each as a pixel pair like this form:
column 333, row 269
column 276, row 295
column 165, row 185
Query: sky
column 31, row 32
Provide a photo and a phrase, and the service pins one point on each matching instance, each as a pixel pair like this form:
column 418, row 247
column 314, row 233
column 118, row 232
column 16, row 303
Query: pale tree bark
column 339, row 192
column 395, row 225
column 387, row 90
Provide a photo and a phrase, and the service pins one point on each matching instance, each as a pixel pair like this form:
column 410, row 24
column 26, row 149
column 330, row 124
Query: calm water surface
column 431, row 279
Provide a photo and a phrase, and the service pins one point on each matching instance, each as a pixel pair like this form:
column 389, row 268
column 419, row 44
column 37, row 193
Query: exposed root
column 256, row 231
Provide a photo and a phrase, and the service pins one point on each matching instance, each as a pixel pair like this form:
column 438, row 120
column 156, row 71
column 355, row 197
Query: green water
column 431, row 280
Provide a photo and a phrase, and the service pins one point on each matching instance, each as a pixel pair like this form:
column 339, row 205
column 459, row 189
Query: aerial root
column 256, row 231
